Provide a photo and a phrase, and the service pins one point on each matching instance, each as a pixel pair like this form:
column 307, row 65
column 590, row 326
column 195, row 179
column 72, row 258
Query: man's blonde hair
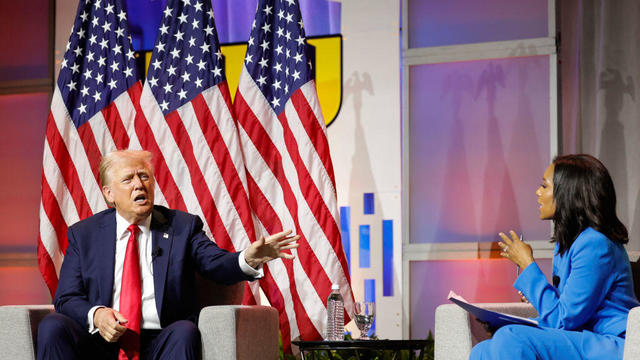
column 107, row 161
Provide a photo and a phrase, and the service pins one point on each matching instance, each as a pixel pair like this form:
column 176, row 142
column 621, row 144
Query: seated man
column 127, row 283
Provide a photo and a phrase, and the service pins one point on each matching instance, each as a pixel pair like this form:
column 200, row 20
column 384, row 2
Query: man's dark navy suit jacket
column 180, row 249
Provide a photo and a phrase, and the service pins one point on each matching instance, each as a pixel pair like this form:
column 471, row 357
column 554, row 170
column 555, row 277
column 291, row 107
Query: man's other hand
column 109, row 323
column 270, row 248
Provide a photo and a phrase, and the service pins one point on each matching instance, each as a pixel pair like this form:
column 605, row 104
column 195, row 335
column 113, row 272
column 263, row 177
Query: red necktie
column 131, row 298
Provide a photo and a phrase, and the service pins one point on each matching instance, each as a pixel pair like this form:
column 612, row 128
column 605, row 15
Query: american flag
column 92, row 113
column 186, row 121
column 289, row 170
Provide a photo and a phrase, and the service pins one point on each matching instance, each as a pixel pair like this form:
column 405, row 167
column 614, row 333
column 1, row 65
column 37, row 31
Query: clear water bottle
column 335, row 315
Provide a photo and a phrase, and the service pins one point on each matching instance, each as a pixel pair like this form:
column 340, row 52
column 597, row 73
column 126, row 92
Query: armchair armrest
column 239, row 332
column 456, row 332
column 452, row 333
column 18, row 329
column 632, row 338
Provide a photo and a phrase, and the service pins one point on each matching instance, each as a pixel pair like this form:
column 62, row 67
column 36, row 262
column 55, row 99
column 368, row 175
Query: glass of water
column 364, row 314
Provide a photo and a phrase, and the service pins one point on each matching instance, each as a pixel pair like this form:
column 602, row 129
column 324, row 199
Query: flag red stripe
column 52, row 209
column 54, row 215
column 314, row 131
column 211, row 214
column 271, row 221
column 115, row 126
column 305, row 325
column 316, row 273
column 134, row 94
column 271, row 156
column 271, row 290
column 310, row 263
column 318, row 138
column 225, row 163
column 258, row 135
column 47, row 268
column 245, row 115
column 90, row 148
column 312, row 195
column 247, row 296
column 224, row 90
column 261, row 207
column 162, row 174
column 67, row 168
column 269, row 152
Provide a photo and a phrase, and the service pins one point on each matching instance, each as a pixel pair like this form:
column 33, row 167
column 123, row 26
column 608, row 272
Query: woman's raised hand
column 515, row 249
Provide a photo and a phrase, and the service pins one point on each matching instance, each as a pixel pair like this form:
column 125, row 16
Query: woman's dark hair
column 584, row 197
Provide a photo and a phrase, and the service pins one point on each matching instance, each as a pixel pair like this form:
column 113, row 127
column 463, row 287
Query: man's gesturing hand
column 271, row 248
column 109, row 323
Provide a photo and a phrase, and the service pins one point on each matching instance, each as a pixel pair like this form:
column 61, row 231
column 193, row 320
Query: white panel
column 365, row 143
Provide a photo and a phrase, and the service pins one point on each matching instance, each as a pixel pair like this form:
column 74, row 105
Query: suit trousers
column 60, row 337
column 531, row 343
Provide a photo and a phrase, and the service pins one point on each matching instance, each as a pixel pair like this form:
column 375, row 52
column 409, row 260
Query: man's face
column 131, row 188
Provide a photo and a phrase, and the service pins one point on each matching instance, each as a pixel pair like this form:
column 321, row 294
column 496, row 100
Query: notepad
column 493, row 318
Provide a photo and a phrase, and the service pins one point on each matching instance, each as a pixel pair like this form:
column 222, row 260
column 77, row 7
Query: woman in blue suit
column 583, row 315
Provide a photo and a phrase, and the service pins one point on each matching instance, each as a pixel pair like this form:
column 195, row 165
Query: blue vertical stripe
column 368, row 207
column 365, row 246
column 345, row 232
column 387, row 257
column 370, row 296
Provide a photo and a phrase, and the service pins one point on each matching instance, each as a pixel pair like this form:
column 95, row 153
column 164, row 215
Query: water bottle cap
column 335, row 287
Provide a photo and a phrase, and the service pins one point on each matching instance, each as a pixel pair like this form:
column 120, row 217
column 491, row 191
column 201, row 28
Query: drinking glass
column 364, row 315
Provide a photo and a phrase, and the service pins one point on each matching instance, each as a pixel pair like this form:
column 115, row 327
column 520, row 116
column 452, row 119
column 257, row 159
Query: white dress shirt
column 150, row 317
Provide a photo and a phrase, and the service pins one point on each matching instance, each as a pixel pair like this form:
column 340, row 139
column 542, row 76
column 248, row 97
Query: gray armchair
column 457, row 332
column 228, row 331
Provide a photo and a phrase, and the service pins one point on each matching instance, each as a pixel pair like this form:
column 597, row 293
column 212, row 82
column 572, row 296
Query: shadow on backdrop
column 612, row 137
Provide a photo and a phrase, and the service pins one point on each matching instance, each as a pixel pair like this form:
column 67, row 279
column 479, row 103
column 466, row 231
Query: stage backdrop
column 365, row 136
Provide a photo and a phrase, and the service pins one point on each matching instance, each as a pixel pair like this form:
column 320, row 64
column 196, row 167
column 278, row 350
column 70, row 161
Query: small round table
column 415, row 347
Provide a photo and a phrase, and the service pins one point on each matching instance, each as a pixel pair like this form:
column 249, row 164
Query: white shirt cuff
column 247, row 269
column 92, row 328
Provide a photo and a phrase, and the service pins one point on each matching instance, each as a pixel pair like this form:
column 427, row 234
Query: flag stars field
column 278, row 49
column 88, row 40
column 190, row 37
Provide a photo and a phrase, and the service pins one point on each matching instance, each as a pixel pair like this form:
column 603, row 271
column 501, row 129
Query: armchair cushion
column 19, row 329
column 239, row 332
column 232, row 331
column 632, row 340
column 457, row 332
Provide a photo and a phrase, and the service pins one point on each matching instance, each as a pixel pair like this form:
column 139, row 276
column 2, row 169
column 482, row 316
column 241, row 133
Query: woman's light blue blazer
column 593, row 289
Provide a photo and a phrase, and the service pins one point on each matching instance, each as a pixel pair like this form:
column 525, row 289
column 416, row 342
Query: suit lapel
column 106, row 244
column 161, row 239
